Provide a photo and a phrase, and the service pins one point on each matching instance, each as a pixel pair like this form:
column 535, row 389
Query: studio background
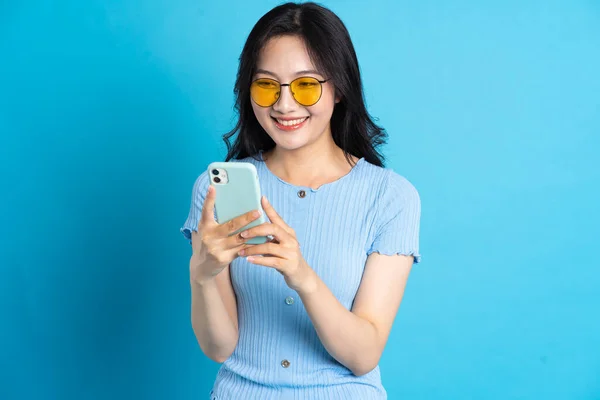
column 109, row 110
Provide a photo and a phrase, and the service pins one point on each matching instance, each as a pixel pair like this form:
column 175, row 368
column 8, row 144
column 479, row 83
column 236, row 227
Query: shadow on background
column 97, row 303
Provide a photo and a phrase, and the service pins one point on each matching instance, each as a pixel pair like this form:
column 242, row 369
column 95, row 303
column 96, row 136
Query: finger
column 208, row 208
column 267, row 229
column 273, row 216
column 237, row 242
column 237, row 223
column 225, row 256
column 273, row 262
column 271, row 249
column 233, row 252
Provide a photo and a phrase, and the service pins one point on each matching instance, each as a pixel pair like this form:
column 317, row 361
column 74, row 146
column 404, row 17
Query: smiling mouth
column 288, row 125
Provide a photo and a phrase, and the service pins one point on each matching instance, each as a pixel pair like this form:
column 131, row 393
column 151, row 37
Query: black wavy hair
column 331, row 50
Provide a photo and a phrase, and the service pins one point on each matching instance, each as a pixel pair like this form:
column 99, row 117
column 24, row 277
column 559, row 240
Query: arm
column 214, row 316
column 214, row 307
column 357, row 338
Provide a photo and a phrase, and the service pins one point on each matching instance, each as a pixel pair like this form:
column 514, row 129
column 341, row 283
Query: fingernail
column 242, row 252
column 256, row 213
column 244, row 234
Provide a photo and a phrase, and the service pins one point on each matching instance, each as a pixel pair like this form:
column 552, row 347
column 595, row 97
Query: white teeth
column 292, row 122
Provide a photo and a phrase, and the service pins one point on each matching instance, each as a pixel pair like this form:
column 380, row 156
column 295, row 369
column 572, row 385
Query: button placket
column 301, row 204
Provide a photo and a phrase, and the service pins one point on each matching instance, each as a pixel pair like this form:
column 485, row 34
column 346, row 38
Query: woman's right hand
column 212, row 246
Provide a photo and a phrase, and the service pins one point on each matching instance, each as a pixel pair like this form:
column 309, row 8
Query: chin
column 289, row 144
column 289, row 140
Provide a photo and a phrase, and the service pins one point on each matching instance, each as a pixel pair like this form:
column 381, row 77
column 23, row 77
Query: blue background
column 109, row 110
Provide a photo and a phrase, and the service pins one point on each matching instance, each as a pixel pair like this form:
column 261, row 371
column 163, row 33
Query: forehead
column 284, row 56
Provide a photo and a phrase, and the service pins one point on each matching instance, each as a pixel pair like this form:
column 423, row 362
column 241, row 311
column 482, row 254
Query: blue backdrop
column 110, row 109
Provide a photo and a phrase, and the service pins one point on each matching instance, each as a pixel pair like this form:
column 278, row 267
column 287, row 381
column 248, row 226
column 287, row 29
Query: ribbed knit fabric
column 338, row 225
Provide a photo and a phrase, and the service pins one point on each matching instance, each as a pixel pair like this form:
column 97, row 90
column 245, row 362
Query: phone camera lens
column 215, row 172
column 217, row 180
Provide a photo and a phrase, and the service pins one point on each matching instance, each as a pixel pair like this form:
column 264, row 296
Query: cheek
column 261, row 113
column 324, row 108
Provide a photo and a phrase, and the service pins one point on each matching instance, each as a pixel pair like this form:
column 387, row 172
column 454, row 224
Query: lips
column 290, row 125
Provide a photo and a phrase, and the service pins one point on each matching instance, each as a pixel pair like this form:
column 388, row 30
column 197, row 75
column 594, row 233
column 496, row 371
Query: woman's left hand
column 283, row 253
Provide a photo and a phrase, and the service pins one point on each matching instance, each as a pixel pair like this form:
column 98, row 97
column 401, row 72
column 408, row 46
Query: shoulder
column 401, row 188
column 201, row 184
column 389, row 184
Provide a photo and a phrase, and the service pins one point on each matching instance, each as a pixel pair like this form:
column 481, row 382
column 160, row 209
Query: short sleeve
column 397, row 219
column 197, row 201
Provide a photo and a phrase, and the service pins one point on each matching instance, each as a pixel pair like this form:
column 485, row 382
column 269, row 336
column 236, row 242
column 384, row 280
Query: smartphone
column 237, row 192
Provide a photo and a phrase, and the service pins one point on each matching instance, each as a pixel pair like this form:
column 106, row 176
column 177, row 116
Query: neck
column 311, row 165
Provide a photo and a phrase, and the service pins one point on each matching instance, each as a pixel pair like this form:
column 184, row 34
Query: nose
column 286, row 102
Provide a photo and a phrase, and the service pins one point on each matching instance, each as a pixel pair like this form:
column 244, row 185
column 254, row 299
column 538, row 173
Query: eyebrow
column 303, row 72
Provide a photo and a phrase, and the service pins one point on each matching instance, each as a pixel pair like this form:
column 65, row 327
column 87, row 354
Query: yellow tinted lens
column 306, row 91
column 265, row 92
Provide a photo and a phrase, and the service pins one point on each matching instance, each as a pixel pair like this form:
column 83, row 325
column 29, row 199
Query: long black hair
column 331, row 49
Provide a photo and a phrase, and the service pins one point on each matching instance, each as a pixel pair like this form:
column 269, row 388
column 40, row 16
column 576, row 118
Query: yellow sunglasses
column 306, row 91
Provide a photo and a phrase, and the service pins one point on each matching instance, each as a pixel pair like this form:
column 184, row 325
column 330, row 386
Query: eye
column 266, row 84
column 307, row 84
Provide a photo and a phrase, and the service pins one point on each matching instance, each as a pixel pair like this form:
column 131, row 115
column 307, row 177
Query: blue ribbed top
column 338, row 225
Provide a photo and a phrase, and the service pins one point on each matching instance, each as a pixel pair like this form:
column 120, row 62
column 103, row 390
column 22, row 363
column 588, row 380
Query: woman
column 310, row 319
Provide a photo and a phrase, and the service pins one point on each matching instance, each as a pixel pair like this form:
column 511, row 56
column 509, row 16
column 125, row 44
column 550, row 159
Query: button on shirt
column 279, row 355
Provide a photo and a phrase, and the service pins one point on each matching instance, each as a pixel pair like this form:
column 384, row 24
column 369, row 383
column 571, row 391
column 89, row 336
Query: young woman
column 306, row 315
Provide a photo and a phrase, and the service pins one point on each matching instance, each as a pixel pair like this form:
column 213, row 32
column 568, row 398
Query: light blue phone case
column 239, row 195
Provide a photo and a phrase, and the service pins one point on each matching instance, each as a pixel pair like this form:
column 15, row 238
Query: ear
column 337, row 95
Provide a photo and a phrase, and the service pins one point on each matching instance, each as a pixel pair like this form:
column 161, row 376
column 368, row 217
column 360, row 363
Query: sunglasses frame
column 289, row 84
